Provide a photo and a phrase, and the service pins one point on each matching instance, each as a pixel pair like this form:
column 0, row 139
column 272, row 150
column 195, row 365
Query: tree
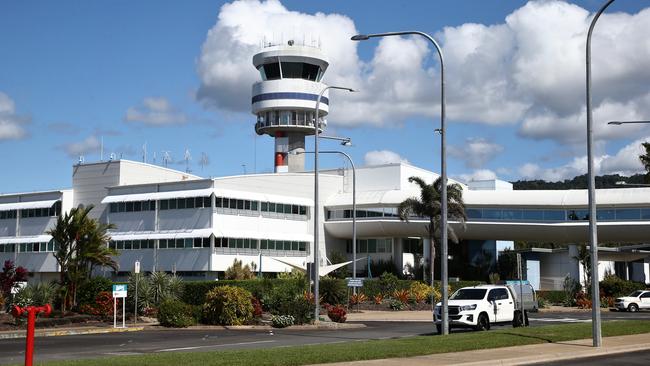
column 645, row 160
column 584, row 258
column 9, row 276
column 429, row 206
column 81, row 245
column 238, row 271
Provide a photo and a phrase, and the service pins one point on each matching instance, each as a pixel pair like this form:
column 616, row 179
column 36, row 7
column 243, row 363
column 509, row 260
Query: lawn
column 352, row 351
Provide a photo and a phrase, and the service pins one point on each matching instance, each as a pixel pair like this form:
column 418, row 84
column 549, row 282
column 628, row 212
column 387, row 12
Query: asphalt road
column 628, row 359
column 131, row 343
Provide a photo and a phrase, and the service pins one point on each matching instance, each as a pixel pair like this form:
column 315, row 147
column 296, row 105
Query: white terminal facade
column 178, row 222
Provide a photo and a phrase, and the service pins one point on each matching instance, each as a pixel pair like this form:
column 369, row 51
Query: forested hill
column 579, row 182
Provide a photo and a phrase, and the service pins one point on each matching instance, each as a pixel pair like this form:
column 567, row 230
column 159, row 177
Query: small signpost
column 136, row 270
column 119, row 292
column 355, row 282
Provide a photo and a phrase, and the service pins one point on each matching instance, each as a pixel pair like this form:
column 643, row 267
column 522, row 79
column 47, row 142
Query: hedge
column 553, row 297
column 195, row 291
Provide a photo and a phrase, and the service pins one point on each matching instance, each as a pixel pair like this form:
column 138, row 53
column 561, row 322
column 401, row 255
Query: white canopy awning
column 25, row 239
column 152, row 196
column 26, row 205
column 142, row 235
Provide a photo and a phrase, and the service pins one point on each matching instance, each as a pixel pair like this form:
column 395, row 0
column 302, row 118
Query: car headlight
column 468, row 307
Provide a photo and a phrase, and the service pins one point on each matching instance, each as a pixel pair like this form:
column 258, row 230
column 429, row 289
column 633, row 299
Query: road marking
column 123, row 353
column 210, row 346
column 560, row 320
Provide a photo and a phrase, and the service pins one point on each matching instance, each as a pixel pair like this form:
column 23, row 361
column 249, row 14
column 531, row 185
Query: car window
column 497, row 294
column 468, row 294
column 635, row 294
column 646, row 295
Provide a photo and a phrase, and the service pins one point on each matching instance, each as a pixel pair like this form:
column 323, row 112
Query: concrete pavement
column 520, row 355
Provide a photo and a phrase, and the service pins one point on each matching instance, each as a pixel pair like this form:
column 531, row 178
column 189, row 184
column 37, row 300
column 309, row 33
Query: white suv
column 639, row 299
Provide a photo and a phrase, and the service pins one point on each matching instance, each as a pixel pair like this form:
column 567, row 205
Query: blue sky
column 73, row 73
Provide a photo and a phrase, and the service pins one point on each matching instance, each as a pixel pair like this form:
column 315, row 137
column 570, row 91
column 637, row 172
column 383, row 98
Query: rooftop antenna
column 167, row 158
column 154, row 158
column 81, row 159
column 101, row 149
column 187, row 159
column 244, row 168
column 144, row 152
column 204, row 160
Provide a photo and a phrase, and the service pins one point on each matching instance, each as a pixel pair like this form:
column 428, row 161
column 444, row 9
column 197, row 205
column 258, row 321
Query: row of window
column 286, row 118
column 54, row 210
column 366, row 213
column 10, row 214
column 369, row 246
column 607, row 214
column 264, row 207
column 29, row 247
column 290, row 70
column 190, row 243
column 183, row 203
column 133, row 206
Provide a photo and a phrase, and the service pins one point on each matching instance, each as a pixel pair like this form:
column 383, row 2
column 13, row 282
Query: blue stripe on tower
column 300, row 96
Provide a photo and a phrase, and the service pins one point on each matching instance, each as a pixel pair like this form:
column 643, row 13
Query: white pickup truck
column 479, row 307
column 634, row 302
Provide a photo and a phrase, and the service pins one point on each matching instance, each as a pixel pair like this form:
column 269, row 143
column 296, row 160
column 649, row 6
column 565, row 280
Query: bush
column 175, row 314
column 333, row 291
column 282, row 321
column 102, row 306
column 571, row 290
column 396, row 305
column 36, row 295
column 257, row 307
column 227, row 305
column 421, row 292
column 337, row 313
column 238, row 271
column 262, row 289
column 613, row 286
column 358, row 298
column 552, row 297
column 388, row 283
column 88, row 291
column 401, row 296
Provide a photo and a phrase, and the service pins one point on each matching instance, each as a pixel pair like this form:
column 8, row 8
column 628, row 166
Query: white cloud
column 476, row 151
column 90, row 145
column 11, row 124
column 379, row 157
column 624, row 162
column 529, row 68
column 480, row 174
column 155, row 111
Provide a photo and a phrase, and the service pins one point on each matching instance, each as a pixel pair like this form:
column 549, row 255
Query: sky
column 174, row 79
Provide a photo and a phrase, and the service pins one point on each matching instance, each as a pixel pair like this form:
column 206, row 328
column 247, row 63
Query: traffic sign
column 355, row 282
column 119, row 291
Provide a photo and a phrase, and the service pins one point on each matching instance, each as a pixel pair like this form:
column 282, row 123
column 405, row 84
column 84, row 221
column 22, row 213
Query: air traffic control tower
column 285, row 100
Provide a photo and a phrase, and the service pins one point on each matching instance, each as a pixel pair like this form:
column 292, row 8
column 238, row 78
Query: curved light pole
column 354, row 201
column 625, row 122
column 444, row 277
column 316, row 239
column 593, row 229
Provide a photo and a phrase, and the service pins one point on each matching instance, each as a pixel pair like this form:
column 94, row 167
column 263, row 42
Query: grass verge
column 355, row 351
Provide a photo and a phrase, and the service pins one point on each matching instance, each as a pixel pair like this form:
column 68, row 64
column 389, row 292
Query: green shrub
column 237, row 271
column 552, row 297
column 227, row 305
column 175, row 314
column 287, row 299
column 88, row 291
column 388, row 283
column 36, row 295
column 282, row 321
column 571, row 289
column 613, row 286
column 396, row 305
column 333, row 291
column 195, row 291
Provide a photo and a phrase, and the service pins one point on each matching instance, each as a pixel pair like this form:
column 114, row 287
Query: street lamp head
column 360, row 37
column 347, row 142
column 614, row 123
column 620, row 183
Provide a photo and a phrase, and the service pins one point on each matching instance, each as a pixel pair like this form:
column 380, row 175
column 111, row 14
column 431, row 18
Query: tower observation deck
column 285, row 100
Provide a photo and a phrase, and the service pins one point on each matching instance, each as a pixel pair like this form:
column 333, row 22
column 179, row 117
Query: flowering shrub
column 583, row 301
column 257, row 307
column 337, row 313
column 401, row 295
column 282, row 321
column 151, row 312
column 421, row 292
column 396, row 305
column 358, row 298
column 378, row 298
column 103, row 305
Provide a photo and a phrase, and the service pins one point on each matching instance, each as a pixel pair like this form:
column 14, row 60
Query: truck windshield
column 468, row 294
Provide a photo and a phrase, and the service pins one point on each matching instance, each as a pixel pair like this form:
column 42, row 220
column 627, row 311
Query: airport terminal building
column 195, row 227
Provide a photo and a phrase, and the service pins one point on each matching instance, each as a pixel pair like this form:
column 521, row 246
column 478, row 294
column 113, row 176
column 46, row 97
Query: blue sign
column 119, row 290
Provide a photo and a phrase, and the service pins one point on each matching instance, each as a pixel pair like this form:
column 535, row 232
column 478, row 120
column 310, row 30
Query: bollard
column 31, row 312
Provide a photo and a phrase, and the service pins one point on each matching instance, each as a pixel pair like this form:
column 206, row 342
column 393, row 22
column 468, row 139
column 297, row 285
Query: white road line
column 211, row 346
column 560, row 320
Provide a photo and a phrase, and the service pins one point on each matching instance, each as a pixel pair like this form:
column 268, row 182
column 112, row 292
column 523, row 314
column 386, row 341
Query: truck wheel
column 517, row 320
column 483, row 323
column 633, row 308
column 526, row 322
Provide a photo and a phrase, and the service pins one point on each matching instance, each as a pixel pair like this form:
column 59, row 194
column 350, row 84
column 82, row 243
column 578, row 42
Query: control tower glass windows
column 270, row 71
column 300, row 70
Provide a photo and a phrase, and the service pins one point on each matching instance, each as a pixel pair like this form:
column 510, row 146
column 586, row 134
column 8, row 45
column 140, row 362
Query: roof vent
column 290, row 42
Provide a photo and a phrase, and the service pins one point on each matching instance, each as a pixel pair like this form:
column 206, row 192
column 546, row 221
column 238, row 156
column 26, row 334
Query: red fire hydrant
column 31, row 312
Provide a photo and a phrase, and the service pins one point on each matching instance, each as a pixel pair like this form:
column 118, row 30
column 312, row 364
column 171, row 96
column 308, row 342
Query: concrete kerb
column 67, row 331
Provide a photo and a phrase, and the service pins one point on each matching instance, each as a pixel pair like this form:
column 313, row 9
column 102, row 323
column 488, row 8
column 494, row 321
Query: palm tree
column 81, row 245
column 429, row 206
column 645, row 160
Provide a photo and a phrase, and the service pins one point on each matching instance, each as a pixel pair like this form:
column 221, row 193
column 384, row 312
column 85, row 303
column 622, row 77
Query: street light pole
column 593, row 229
column 443, row 170
column 316, row 238
column 625, row 122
